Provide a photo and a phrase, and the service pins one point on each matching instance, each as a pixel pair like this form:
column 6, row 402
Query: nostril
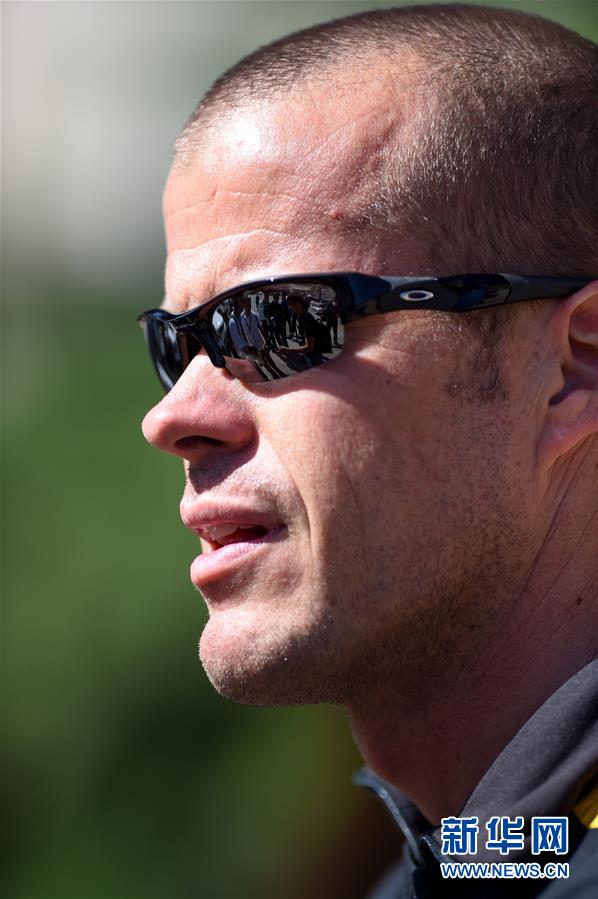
column 185, row 444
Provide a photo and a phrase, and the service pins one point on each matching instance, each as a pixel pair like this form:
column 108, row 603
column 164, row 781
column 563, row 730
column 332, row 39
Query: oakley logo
column 416, row 296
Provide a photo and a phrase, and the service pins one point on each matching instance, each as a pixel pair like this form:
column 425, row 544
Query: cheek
column 343, row 455
column 381, row 468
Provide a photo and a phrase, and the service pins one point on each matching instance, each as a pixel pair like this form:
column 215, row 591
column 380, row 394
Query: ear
column 572, row 413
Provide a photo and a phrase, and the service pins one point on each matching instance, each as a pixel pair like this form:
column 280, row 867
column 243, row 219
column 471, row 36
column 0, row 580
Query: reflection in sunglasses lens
column 165, row 351
column 267, row 332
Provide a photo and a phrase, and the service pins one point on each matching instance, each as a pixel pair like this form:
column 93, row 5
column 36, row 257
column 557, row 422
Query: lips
column 232, row 537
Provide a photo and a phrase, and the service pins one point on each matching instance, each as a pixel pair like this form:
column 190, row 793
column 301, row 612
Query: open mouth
column 223, row 535
column 229, row 546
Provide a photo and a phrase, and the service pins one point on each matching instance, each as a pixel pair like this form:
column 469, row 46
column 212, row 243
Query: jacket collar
column 544, row 770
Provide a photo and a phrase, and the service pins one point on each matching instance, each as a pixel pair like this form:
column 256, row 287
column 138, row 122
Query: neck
column 435, row 736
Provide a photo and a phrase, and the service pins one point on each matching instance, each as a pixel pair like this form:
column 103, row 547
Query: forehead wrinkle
column 224, row 218
column 233, row 193
column 225, row 210
column 226, row 235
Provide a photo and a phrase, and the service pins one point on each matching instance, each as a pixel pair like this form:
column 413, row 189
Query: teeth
column 216, row 531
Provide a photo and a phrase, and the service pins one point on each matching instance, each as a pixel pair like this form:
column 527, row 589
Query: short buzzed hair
column 500, row 173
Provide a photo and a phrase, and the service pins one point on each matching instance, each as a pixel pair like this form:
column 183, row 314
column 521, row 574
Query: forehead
column 277, row 188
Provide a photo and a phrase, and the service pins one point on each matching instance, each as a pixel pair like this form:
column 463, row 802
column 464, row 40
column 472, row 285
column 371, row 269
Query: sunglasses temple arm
column 539, row 288
column 468, row 292
column 454, row 294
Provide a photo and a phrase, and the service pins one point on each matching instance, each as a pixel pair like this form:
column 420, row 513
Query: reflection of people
column 331, row 319
column 246, row 336
column 278, row 322
column 409, row 530
column 244, row 328
column 314, row 338
column 251, row 327
column 264, row 307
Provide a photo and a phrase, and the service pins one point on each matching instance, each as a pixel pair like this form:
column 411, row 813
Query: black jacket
column 549, row 768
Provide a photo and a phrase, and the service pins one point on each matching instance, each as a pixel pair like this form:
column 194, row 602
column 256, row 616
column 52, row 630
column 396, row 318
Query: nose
column 206, row 411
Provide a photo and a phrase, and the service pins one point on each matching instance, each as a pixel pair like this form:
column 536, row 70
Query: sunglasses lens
column 164, row 350
column 267, row 332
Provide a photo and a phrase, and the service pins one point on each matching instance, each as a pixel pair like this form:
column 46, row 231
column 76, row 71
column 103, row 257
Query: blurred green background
column 124, row 775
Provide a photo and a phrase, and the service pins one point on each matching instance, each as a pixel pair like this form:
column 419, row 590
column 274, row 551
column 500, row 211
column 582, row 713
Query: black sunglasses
column 277, row 327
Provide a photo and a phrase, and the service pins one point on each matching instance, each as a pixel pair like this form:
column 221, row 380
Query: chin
column 267, row 686
column 265, row 666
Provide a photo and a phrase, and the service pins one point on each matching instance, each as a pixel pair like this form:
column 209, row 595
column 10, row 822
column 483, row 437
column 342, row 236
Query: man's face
column 384, row 487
